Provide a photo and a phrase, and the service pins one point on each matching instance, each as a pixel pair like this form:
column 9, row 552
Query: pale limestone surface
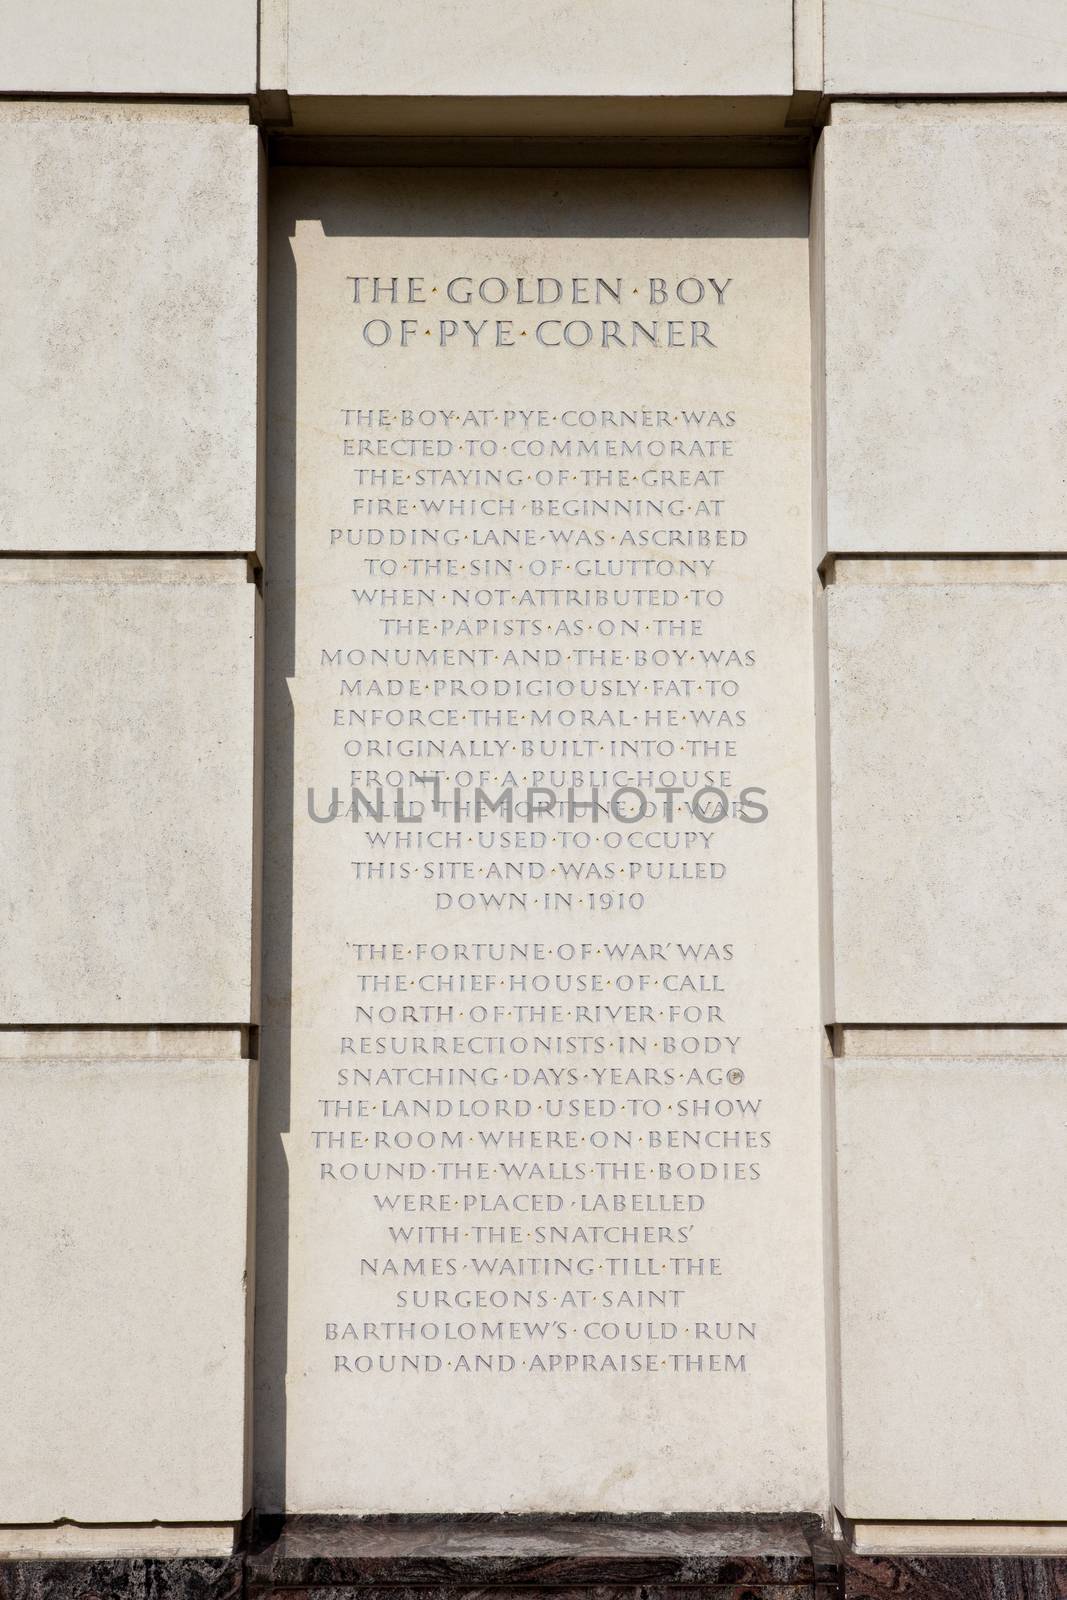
column 948, row 762
column 537, row 1436
column 950, row 1187
column 128, row 47
column 959, row 1538
column 129, row 248
column 945, row 327
column 161, row 1541
column 953, row 47
column 126, row 791
column 124, row 1218
column 456, row 47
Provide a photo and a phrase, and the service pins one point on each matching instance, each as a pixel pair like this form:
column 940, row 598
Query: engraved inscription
column 553, row 1015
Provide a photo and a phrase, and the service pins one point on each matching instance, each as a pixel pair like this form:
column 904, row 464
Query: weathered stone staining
column 551, row 1066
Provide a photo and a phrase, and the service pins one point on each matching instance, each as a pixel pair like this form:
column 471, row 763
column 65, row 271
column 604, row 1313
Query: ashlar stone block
column 951, row 1178
column 129, row 250
column 476, row 47
column 128, row 47
column 124, row 1229
column 948, row 759
column 941, row 237
column 955, row 47
column 126, row 791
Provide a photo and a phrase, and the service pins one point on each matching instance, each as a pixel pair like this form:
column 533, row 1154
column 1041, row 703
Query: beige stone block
column 129, row 246
column 944, row 327
column 124, row 1224
column 126, row 791
column 955, row 47
column 126, row 1043
column 128, row 47
column 160, row 1541
column 953, row 1302
column 948, row 765
column 959, row 1538
column 456, row 47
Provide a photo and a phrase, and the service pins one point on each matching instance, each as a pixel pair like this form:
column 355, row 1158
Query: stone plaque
column 541, row 1217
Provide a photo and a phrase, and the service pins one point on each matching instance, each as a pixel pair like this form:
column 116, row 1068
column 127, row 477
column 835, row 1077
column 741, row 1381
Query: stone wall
column 134, row 146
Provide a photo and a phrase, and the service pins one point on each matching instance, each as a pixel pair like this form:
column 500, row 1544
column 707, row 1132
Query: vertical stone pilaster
column 940, row 337
column 129, row 434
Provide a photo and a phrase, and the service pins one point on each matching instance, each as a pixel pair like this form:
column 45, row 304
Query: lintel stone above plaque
column 129, row 246
column 475, row 47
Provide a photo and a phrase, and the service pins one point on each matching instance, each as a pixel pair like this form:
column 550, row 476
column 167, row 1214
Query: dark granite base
column 132, row 1578
column 556, row 1558
column 611, row 1556
column 954, row 1578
